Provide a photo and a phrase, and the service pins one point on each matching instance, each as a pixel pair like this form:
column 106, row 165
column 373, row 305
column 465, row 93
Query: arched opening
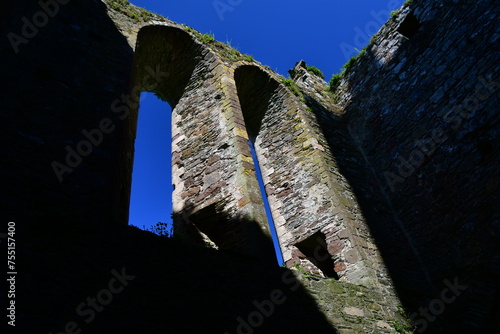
column 315, row 249
column 165, row 58
column 255, row 100
column 151, row 196
column 171, row 63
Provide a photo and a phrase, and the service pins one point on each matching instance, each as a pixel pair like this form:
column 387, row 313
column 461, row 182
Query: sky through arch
column 151, row 198
column 323, row 33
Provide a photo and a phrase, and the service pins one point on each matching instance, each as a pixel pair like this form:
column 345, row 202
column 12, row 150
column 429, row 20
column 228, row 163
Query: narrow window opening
column 151, row 197
column 270, row 220
column 316, row 251
column 255, row 92
column 409, row 26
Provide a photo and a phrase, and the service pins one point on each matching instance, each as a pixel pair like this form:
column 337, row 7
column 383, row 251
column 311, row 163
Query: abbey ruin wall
column 386, row 183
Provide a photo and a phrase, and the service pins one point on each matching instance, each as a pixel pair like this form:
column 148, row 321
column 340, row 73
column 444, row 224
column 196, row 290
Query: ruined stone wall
column 70, row 154
column 421, row 106
column 394, row 184
column 212, row 195
column 312, row 204
column 347, row 170
column 219, row 107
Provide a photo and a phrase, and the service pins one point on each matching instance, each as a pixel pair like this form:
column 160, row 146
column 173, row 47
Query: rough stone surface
column 387, row 185
column 352, row 308
column 422, row 112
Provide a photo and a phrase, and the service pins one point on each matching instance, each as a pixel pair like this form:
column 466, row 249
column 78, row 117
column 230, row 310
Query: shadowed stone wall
column 421, row 106
column 390, row 182
column 61, row 138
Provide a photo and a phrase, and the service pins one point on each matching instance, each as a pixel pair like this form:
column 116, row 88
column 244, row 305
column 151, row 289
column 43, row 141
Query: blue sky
column 277, row 33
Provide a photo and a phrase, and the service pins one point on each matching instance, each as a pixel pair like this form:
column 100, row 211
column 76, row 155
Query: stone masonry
column 421, row 106
column 221, row 108
column 383, row 188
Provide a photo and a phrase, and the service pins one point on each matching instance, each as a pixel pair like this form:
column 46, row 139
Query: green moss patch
column 223, row 49
column 137, row 14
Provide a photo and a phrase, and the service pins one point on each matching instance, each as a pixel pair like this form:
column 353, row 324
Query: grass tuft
column 294, row 88
column 335, row 80
column 316, row 71
column 223, row 49
column 137, row 14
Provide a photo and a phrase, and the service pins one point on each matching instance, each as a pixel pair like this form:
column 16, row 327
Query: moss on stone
column 316, row 71
column 224, row 50
column 290, row 84
column 336, row 287
column 335, row 80
column 137, row 14
column 375, row 307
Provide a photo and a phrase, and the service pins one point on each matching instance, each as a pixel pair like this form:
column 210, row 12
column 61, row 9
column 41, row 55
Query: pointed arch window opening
column 151, row 193
column 265, row 200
